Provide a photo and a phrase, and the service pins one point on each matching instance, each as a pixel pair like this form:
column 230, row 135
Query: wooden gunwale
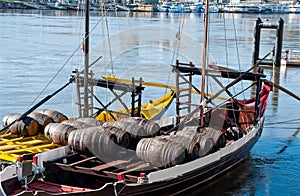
column 93, row 166
column 99, row 173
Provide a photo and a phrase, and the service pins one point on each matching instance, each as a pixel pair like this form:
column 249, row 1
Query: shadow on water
column 242, row 180
column 289, row 141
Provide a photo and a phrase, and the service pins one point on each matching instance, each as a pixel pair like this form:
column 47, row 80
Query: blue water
column 34, row 45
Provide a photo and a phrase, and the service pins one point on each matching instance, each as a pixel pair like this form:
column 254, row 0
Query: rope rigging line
column 227, row 58
column 238, row 53
column 61, row 68
column 109, row 45
column 226, row 43
column 178, row 37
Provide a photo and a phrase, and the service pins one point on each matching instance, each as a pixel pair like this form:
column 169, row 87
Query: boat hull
column 199, row 176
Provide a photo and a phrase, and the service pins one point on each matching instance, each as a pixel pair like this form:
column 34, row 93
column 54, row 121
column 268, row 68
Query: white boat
column 165, row 7
column 197, row 7
column 179, row 7
column 213, row 9
column 295, row 8
column 244, row 8
column 276, row 8
column 122, row 8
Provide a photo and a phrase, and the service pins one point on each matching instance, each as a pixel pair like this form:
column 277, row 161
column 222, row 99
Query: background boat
column 263, row 163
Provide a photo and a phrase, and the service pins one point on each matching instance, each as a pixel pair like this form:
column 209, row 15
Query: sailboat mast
column 86, row 59
column 204, row 59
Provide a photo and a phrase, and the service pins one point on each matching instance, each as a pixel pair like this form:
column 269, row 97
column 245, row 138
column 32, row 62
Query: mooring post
column 133, row 97
column 278, row 46
column 279, row 37
column 257, row 30
column 139, row 99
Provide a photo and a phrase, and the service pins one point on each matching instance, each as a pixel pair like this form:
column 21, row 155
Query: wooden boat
column 166, row 156
column 63, row 170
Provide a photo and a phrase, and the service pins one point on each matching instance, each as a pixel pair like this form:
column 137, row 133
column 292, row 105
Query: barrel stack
column 209, row 139
column 192, row 147
column 90, row 121
column 58, row 133
column 123, row 138
column 137, row 132
column 55, row 115
column 25, row 127
column 32, row 124
column 152, row 128
column 42, row 119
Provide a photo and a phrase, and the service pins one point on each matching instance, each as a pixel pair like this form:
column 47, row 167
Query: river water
column 34, row 45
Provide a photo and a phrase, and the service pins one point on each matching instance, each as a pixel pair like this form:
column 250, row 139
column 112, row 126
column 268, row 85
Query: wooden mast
column 204, row 59
column 86, row 59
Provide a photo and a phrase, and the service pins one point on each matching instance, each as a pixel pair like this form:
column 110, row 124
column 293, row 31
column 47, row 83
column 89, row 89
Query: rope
column 238, row 53
column 109, row 46
column 178, row 37
column 292, row 121
column 61, row 68
column 115, row 188
column 289, row 141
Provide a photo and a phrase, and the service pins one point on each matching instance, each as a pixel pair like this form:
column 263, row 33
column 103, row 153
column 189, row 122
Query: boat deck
column 93, row 169
column 12, row 147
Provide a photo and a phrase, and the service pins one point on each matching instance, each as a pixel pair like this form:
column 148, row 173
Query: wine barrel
column 92, row 141
column 58, row 133
column 57, row 116
column 136, row 131
column 160, row 152
column 25, row 127
column 152, row 128
column 42, row 119
column 99, row 142
column 190, row 145
column 76, row 124
column 218, row 137
column 90, row 121
column 75, row 141
column 123, row 137
column 205, row 141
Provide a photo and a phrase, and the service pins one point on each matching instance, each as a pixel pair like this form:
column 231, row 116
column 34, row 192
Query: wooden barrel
column 136, row 131
column 123, row 137
column 42, row 119
column 160, row 152
column 75, row 141
column 190, row 145
column 76, row 124
column 25, row 127
column 90, row 121
column 207, row 144
column 218, row 137
column 55, row 115
column 99, row 142
column 152, row 128
column 205, row 141
column 58, row 133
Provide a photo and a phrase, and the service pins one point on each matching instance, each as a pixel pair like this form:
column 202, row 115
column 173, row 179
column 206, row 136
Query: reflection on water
column 276, row 80
column 244, row 178
column 35, row 44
